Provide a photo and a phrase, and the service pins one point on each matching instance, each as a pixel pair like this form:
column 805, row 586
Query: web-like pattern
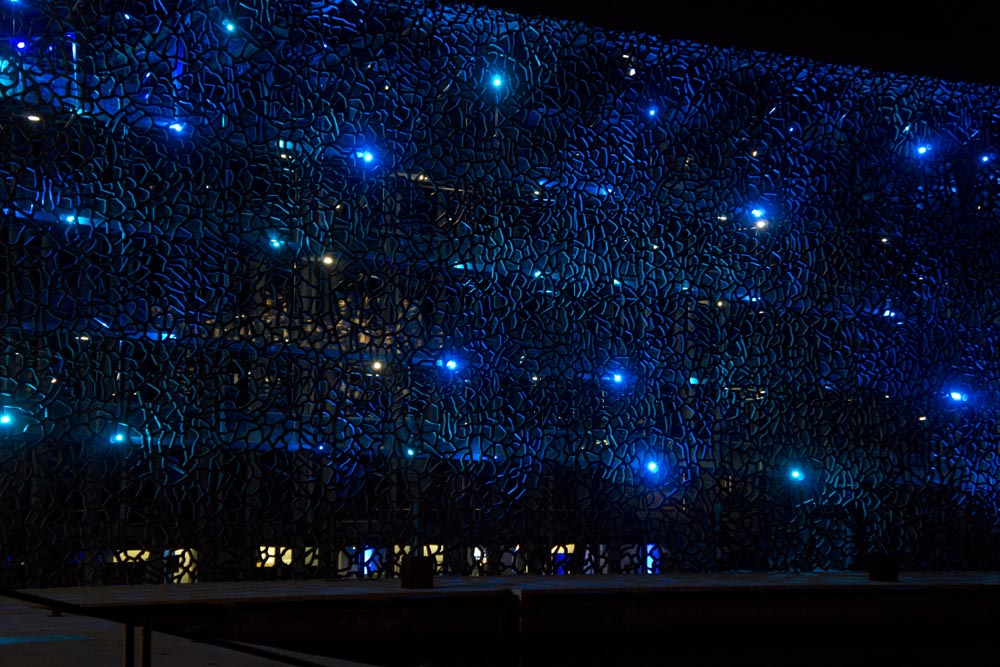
column 290, row 289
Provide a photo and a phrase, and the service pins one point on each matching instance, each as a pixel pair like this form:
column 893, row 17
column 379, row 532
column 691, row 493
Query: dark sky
column 951, row 40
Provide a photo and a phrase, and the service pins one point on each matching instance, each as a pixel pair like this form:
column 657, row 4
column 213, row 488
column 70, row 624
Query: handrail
column 78, row 610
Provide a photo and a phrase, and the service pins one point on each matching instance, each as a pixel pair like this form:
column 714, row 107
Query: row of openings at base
column 182, row 564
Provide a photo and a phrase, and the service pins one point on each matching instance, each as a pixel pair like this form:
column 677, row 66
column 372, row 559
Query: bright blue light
column 985, row 158
column 796, row 475
column 617, row 378
column 651, row 111
column 922, row 150
column 276, row 243
column 118, row 437
column 176, row 127
column 21, row 45
column 71, row 218
column 5, row 419
column 367, row 156
column 497, row 81
column 410, row 452
column 694, row 380
column 958, row 396
column 757, row 213
column 451, row 364
column 653, row 466
column 537, row 274
column 229, row 26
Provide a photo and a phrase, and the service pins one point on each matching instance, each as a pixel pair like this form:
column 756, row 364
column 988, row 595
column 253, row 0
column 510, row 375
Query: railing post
column 146, row 648
column 128, row 645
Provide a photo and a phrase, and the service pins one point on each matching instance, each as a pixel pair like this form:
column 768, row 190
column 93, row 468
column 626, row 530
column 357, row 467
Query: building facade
column 293, row 289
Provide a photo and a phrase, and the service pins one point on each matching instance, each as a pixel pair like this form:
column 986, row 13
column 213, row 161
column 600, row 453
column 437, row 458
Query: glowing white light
column 631, row 71
column 922, row 150
column 497, row 81
column 757, row 212
column 537, row 274
column 367, row 156
column 5, row 419
column 958, row 396
column 20, row 45
column 70, row 218
column 276, row 243
column 451, row 364
column 985, row 158
column 229, row 26
column 651, row 111
column 34, row 119
column 327, row 260
column 796, row 475
column 653, row 466
column 377, row 365
column 176, row 127
column 760, row 224
column 617, row 378
column 410, row 452
column 118, row 437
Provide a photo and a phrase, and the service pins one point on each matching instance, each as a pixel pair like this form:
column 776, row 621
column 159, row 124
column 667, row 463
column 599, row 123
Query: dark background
column 956, row 41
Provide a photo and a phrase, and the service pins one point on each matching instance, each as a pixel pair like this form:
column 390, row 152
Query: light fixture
column 451, row 364
column 21, row 45
column 923, row 150
column 409, row 451
column 6, row 420
column 118, row 437
column 757, row 213
column 377, row 365
column 34, row 119
column 617, row 378
column 497, row 81
column 653, row 467
column 760, row 224
column 327, row 260
column 958, row 396
column 176, row 127
column 651, row 111
column 229, row 26
column 796, row 475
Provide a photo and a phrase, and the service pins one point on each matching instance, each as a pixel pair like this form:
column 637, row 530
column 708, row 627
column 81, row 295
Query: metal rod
column 146, row 647
column 128, row 645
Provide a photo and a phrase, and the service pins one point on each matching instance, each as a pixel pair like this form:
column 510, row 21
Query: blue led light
column 757, row 213
column 277, row 243
column 367, row 156
column 229, row 26
column 651, row 111
column 958, row 396
column 985, row 158
column 617, row 378
column 653, row 466
column 497, row 81
column 923, row 150
column 796, row 475
column 694, row 380
column 6, row 420
column 21, row 45
column 451, row 364
column 71, row 218
column 176, row 127
column 409, row 451
column 118, row 437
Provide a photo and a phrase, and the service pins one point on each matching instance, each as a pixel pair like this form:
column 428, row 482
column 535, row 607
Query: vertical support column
column 146, row 647
column 128, row 645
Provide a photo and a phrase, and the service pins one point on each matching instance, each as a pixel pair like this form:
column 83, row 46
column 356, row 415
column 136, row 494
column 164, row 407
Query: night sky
column 952, row 41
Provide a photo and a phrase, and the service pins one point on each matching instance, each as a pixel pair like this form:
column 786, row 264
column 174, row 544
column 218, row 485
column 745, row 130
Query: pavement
column 30, row 636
